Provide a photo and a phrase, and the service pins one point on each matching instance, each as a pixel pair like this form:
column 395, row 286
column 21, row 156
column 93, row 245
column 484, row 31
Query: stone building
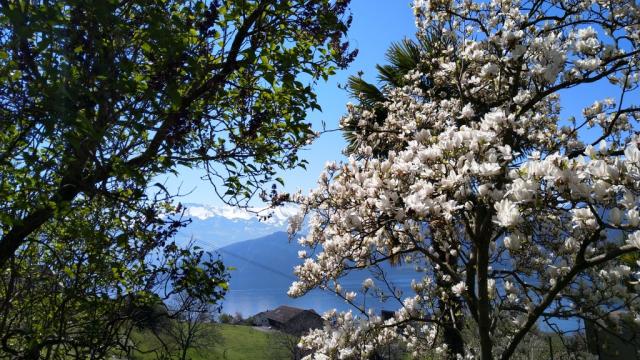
column 289, row 319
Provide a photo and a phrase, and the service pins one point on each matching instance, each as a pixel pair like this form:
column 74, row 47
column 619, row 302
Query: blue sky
column 376, row 24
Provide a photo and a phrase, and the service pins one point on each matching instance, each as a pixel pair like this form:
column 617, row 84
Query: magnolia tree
column 511, row 213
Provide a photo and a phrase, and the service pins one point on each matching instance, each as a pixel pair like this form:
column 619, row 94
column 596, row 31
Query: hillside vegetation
column 228, row 342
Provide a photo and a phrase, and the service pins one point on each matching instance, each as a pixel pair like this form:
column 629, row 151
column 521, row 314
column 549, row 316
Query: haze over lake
column 261, row 260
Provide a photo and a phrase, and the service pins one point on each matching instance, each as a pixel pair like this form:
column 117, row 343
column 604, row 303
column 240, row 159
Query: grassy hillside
column 228, row 342
column 238, row 342
column 243, row 342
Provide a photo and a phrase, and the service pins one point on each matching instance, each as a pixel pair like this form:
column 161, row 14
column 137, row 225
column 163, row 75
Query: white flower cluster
column 347, row 337
column 482, row 183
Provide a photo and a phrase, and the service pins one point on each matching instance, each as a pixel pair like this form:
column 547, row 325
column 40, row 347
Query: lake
column 249, row 302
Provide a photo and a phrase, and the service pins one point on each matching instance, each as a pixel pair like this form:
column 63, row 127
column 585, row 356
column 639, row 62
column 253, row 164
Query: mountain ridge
column 213, row 227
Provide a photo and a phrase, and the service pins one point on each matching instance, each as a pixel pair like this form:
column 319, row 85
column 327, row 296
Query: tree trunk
column 451, row 309
column 453, row 338
column 484, row 321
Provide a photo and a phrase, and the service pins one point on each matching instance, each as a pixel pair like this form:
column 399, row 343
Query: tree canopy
column 511, row 214
column 99, row 98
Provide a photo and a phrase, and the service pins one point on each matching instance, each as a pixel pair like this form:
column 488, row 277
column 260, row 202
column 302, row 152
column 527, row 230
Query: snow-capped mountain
column 278, row 216
column 213, row 227
column 263, row 267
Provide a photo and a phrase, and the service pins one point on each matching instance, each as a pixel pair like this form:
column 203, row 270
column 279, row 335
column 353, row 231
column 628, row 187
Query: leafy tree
column 98, row 98
column 86, row 285
column 403, row 57
column 225, row 318
column 468, row 172
column 189, row 329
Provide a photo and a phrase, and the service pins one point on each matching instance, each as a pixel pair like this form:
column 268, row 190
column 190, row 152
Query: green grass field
column 243, row 342
column 229, row 342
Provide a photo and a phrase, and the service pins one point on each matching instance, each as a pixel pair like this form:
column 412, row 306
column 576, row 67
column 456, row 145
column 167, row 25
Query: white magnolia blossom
column 634, row 239
column 509, row 212
column 459, row 288
column 350, row 296
column 367, row 283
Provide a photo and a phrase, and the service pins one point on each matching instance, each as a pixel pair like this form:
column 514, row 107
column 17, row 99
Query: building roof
column 283, row 314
